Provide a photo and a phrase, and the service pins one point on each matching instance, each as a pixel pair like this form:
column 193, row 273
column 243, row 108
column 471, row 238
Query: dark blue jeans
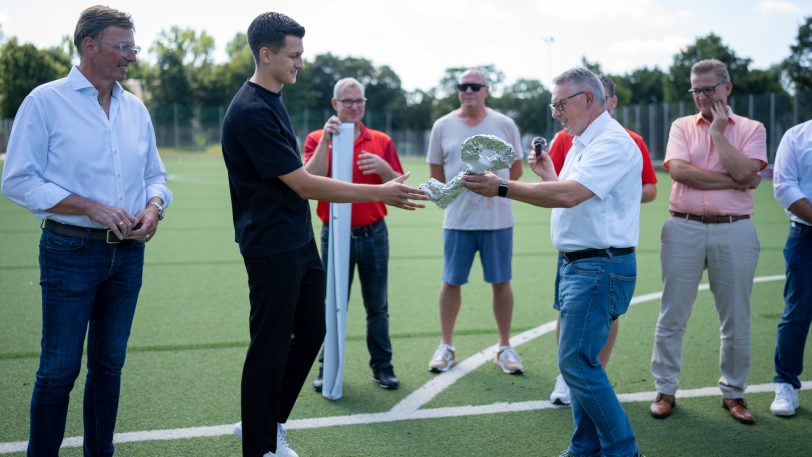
column 87, row 287
column 593, row 292
column 371, row 254
column 794, row 325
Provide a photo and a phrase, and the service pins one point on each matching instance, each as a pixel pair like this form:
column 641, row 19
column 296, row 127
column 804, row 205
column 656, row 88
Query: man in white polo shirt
column 595, row 224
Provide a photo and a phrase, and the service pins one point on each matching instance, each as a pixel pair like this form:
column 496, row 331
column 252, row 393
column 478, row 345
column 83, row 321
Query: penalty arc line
column 409, row 407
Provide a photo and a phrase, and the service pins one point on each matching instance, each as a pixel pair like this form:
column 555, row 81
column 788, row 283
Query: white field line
column 408, row 408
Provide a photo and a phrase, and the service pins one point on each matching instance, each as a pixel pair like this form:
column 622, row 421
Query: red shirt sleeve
column 562, row 142
column 311, row 142
column 648, row 175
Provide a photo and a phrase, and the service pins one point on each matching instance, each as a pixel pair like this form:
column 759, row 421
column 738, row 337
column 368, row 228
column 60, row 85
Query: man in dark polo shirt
column 269, row 192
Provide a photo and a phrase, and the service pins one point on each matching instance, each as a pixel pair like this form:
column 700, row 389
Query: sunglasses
column 463, row 87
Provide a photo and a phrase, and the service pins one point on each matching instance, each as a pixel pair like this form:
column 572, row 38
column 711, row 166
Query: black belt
column 82, row 232
column 711, row 219
column 589, row 253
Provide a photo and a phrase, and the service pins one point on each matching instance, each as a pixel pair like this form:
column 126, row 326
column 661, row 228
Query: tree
column 24, row 67
column 526, row 102
column 184, row 65
column 744, row 80
column 641, row 86
column 798, row 65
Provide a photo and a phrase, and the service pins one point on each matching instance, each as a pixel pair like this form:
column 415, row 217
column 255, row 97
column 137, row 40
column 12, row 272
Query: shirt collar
column 363, row 134
column 699, row 119
column 593, row 128
column 80, row 83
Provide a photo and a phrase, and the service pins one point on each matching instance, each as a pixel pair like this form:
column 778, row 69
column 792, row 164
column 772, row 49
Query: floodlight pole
column 550, row 40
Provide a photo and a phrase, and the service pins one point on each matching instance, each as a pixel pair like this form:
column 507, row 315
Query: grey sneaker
column 561, row 392
column 509, row 361
column 786, row 400
column 237, row 430
column 443, row 359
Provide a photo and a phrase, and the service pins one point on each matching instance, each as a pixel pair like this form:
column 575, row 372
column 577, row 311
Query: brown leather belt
column 589, row 253
column 711, row 219
column 85, row 233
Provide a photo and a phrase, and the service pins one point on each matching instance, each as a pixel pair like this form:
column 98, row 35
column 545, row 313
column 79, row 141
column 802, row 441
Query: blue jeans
column 593, row 292
column 794, row 325
column 87, row 286
column 371, row 254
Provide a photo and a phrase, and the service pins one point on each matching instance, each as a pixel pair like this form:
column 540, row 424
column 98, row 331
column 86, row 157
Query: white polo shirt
column 605, row 160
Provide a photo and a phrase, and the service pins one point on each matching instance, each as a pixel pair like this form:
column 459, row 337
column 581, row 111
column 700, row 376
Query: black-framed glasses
column 463, row 87
column 347, row 102
column 708, row 91
column 124, row 48
column 559, row 105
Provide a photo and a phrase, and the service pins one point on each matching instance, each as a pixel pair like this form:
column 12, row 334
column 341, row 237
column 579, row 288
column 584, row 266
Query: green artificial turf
column 191, row 330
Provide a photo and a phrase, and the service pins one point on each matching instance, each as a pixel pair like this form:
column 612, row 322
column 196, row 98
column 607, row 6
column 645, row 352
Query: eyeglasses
column 708, row 91
column 124, row 48
column 463, row 87
column 559, row 105
column 347, row 103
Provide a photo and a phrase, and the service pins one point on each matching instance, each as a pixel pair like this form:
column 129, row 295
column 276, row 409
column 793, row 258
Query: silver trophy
column 481, row 153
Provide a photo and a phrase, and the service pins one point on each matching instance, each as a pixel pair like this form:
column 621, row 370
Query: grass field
column 180, row 389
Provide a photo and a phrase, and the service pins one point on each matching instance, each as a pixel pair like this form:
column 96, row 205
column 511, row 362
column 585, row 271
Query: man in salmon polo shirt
column 375, row 161
column 714, row 158
column 562, row 143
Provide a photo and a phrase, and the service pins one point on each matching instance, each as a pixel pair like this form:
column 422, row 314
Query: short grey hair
column 341, row 83
column 715, row 66
column 583, row 79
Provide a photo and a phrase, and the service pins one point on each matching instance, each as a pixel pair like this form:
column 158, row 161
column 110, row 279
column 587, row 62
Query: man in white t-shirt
column 595, row 224
column 473, row 223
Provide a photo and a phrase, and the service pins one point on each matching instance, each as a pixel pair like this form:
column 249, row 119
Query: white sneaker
column 282, row 447
column 561, row 392
column 237, row 430
column 509, row 361
column 786, row 400
column 443, row 359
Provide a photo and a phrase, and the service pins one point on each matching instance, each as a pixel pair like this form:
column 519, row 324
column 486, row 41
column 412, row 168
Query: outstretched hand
column 395, row 193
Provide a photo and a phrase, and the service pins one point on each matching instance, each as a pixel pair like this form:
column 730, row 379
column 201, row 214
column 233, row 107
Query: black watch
column 503, row 188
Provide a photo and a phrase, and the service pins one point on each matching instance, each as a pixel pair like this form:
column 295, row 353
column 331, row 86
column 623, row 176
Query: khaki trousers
column 731, row 252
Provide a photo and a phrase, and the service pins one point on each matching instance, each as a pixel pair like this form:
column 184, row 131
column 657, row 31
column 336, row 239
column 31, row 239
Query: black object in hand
column 538, row 144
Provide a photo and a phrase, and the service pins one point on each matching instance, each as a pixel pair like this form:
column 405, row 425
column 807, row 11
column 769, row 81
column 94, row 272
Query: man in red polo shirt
column 558, row 152
column 375, row 161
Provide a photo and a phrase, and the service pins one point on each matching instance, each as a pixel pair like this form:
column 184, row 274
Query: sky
column 419, row 39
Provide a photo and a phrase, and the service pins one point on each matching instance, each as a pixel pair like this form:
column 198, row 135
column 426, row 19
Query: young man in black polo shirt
column 269, row 192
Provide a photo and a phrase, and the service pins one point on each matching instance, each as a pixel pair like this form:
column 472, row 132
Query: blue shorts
column 495, row 253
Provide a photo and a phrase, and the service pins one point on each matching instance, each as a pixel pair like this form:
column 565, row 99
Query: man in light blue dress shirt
column 82, row 157
column 792, row 183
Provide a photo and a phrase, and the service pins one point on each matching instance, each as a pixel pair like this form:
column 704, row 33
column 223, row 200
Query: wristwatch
column 160, row 210
column 503, row 188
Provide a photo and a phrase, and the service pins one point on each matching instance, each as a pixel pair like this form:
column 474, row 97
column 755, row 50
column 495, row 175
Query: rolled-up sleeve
column 26, row 158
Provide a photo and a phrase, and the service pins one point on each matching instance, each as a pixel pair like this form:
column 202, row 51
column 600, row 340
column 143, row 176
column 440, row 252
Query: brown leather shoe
column 662, row 406
column 738, row 410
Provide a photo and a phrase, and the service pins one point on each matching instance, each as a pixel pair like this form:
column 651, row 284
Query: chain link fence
column 198, row 130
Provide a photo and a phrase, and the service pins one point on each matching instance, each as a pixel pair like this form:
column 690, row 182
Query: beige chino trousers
column 731, row 252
